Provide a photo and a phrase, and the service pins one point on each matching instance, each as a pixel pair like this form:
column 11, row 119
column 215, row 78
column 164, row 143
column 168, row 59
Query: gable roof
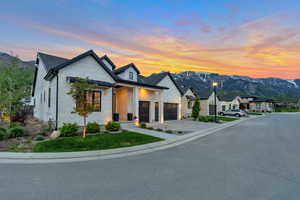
column 105, row 57
column 51, row 61
column 53, row 71
column 154, row 79
column 124, row 68
column 205, row 94
column 227, row 98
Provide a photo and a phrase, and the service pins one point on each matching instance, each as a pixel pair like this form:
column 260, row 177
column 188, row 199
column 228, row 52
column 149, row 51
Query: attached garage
column 144, row 111
column 170, row 111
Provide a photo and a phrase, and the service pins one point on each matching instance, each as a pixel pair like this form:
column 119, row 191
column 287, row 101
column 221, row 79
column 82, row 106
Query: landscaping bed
column 95, row 142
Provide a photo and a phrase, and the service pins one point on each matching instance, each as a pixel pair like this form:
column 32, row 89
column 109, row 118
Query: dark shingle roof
column 227, row 98
column 205, row 94
column 260, row 99
column 99, row 83
column 154, row 79
column 124, row 68
column 51, row 61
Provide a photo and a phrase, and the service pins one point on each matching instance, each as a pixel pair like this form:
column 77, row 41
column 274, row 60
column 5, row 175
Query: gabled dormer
column 128, row 72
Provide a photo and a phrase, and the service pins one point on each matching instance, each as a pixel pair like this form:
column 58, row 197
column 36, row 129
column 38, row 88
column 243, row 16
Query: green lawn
column 212, row 119
column 95, row 142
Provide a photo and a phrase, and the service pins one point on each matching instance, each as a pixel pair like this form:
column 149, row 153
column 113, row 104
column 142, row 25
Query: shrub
column 16, row 131
column 196, row 109
column 93, row 127
column 39, row 138
column 169, row 131
column 159, row 129
column 45, row 130
column 143, row 125
column 2, row 133
column 112, row 126
column 69, row 130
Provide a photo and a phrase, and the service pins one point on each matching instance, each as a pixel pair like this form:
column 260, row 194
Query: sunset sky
column 257, row 38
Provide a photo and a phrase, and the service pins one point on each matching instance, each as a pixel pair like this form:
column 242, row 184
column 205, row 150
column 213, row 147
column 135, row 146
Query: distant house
column 121, row 94
column 187, row 101
column 207, row 103
column 261, row 105
column 245, row 102
column 230, row 102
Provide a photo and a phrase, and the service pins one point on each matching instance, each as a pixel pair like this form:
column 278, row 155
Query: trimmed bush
column 169, row 131
column 196, row 109
column 93, row 127
column 2, row 133
column 112, row 126
column 143, row 125
column 69, row 130
column 39, row 138
column 16, row 131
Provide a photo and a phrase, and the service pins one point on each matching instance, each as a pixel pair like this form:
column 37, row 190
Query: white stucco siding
column 125, row 74
column 40, row 111
column 84, row 68
column 107, row 64
column 185, row 110
column 171, row 95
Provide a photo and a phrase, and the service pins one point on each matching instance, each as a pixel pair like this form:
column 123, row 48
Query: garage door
column 144, row 111
column 170, row 111
column 212, row 109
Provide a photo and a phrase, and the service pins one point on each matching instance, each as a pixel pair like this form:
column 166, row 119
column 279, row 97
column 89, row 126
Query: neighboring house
column 207, row 103
column 122, row 94
column 187, row 101
column 230, row 102
column 261, row 105
column 245, row 102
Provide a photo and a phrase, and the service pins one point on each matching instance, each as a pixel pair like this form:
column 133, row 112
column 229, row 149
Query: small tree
column 196, row 109
column 79, row 91
column 15, row 84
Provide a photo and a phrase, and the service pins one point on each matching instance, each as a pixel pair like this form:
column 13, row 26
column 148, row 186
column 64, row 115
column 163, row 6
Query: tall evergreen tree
column 196, row 109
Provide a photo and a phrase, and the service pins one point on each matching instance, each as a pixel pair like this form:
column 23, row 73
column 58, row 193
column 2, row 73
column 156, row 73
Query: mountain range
column 202, row 81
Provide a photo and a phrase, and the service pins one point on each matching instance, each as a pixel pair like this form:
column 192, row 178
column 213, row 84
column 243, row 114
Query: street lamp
column 215, row 85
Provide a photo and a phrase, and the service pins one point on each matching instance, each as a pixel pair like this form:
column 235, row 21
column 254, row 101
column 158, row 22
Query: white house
column 122, row 94
column 207, row 103
column 187, row 101
column 230, row 102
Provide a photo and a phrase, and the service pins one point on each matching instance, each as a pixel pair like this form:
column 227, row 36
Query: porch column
column 179, row 109
column 161, row 107
column 136, row 102
column 152, row 111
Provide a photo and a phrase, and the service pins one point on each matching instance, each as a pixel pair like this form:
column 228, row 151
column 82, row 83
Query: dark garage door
column 144, row 110
column 170, row 111
column 212, row 109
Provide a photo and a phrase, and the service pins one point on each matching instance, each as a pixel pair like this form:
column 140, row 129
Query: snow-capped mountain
column 239, row 84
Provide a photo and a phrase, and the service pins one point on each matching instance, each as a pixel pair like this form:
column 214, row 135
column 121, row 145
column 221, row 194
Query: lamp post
column 215, row 85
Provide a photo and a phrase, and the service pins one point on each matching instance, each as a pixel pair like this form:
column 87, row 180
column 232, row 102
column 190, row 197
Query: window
column 131, row 75
column 49, row 98
column 93, row 98
column 223, row 108
column 190, row 104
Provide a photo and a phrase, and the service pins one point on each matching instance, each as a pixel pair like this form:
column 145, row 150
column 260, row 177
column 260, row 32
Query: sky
column 256, row 38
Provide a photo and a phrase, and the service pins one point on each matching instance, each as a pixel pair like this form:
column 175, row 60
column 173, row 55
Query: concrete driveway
column 184, row 125
column 257, row 159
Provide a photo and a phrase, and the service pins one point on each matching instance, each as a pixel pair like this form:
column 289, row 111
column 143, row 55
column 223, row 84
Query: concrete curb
column 30, row 158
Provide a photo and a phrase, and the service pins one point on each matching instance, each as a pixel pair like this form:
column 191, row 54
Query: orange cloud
column 260, row 48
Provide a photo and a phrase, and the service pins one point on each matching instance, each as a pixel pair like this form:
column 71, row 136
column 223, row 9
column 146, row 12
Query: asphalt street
column 257, row 159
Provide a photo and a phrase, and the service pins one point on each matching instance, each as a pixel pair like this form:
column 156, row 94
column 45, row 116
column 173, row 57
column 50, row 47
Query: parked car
column 236, row 113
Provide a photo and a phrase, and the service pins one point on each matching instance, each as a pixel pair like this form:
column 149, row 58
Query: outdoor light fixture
column 215, row 85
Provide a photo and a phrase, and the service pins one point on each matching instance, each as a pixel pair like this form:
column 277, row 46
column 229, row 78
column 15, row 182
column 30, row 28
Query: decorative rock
column 55, row 134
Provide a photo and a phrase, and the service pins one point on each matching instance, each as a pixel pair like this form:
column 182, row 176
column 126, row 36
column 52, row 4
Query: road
column 257, row 159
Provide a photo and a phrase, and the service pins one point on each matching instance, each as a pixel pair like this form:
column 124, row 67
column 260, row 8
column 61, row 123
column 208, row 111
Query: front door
column 144, row 111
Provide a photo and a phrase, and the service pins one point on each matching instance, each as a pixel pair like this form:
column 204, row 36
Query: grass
column 287, row 110
column 212, row 119
column 95, row 142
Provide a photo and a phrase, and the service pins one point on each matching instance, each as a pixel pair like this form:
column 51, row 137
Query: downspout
column 56, row 115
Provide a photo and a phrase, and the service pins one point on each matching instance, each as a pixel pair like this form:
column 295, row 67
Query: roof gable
column 107, row 59
column 51, row 61
column 91, row 53
column 124, row 68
